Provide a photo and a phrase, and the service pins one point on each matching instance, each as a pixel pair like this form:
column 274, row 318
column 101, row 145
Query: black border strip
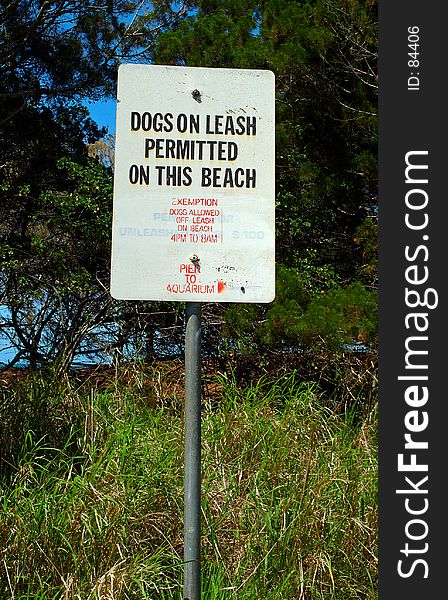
column 413, row 132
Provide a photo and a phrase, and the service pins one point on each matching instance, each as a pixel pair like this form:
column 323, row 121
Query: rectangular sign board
column 193, row 214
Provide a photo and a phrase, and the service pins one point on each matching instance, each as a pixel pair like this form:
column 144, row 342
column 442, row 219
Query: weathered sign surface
column 194, row 185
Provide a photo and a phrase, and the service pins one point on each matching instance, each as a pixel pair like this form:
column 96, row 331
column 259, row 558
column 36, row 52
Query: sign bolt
column 195, row 260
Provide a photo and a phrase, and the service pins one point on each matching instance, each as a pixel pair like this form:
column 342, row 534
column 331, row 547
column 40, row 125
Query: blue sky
column 103, row 113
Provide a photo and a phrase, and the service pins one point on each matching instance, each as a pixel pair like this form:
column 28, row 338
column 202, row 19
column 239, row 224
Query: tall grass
column 94, row 510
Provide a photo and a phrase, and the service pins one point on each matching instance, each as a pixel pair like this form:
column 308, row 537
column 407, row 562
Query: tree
column 55, row 202
column 323, row 53
column 55, row 284
column 71, row 48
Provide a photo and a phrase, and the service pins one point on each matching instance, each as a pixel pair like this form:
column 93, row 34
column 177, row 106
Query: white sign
column 194, row 185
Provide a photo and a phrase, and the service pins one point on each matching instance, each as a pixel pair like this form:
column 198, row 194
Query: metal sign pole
column 192, row 453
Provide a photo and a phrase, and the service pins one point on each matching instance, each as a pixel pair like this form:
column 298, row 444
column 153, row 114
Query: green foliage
column 55, row 270
column 366, row 238
column 213, row 34
column 332, row 320
column 310, row 311
column 341, row 316
column 66, row 50
column 56, row 203
column 84, row 211
column 288, row 496
column 323, row 54
column 33, row 417
column 34, row 140
column 241, row 323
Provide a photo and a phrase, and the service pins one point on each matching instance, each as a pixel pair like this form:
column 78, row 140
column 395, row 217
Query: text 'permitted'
column 194, row 185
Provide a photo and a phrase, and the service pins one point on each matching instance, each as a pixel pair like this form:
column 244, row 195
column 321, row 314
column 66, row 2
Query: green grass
column 93, row 508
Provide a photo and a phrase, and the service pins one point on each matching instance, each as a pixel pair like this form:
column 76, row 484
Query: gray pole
column 192, row 453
